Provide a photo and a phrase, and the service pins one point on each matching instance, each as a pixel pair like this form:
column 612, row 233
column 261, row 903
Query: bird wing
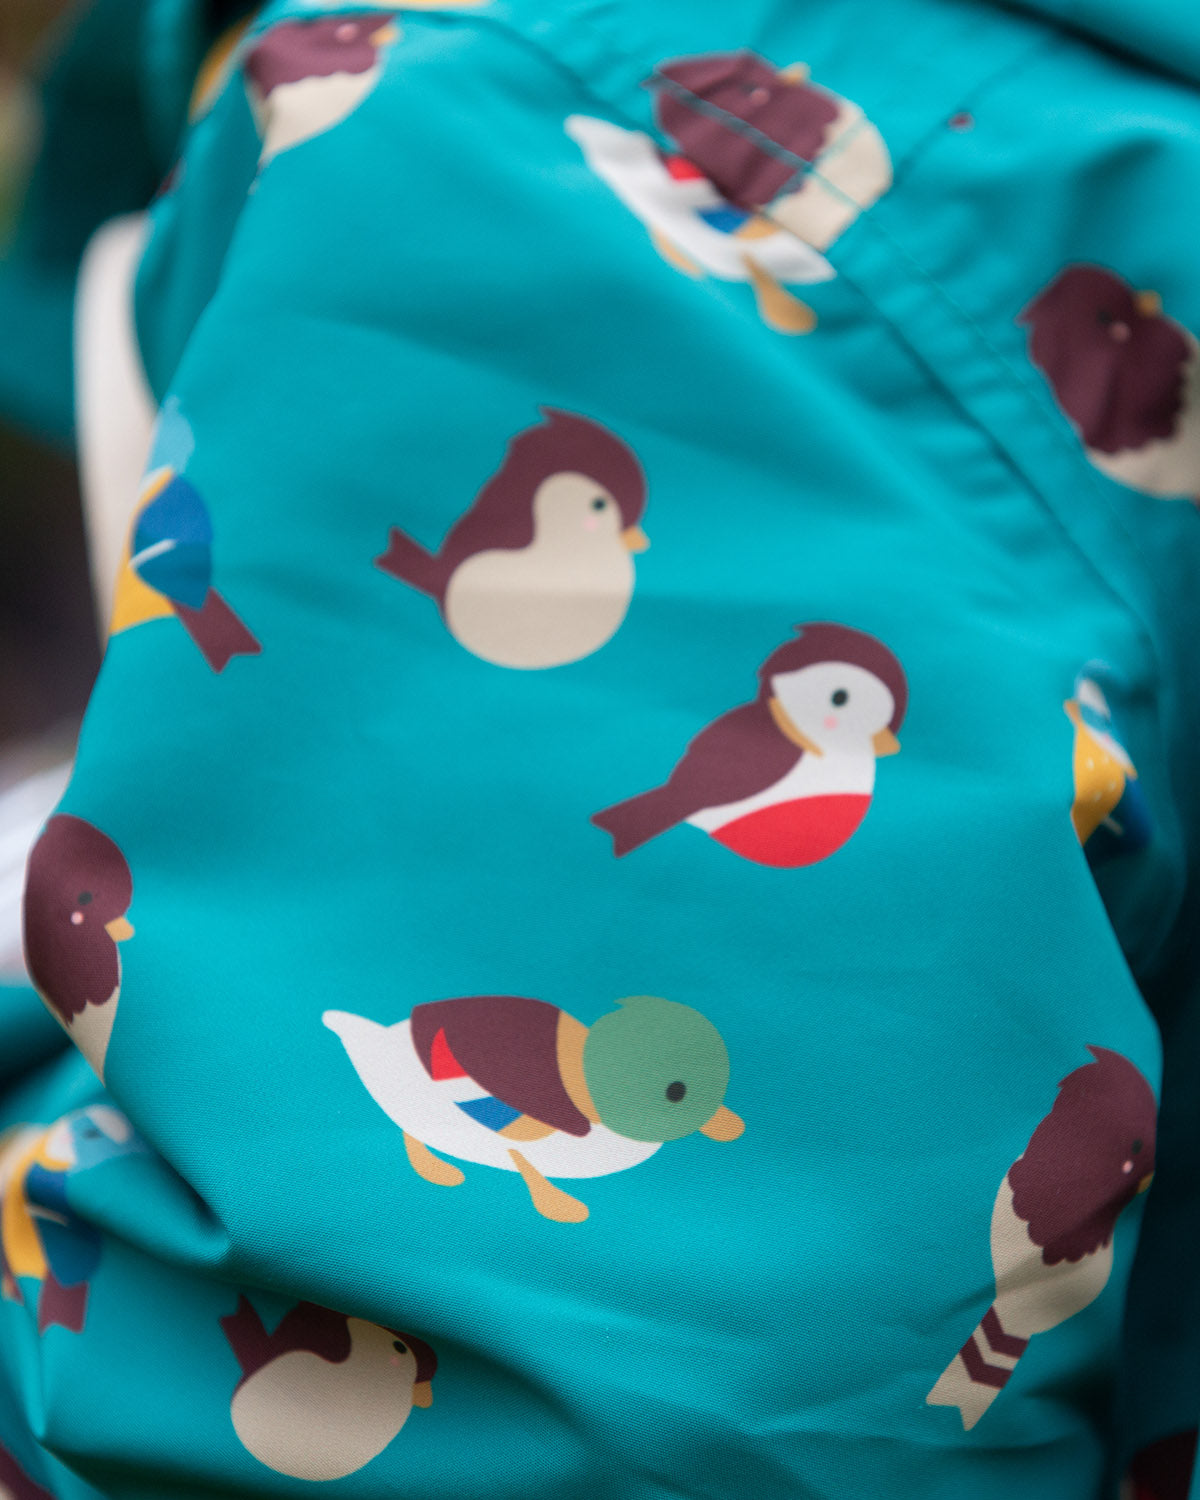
column 508, row 1045
column 172, row 544
column 738, row 755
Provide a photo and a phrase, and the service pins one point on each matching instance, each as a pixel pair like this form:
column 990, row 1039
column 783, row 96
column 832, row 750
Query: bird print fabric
column 510, row 1082
column 42, row 1238
column 306, row 76
column 786, row 779
column 1126, row 376
column 539, row 571
column 78, row 889
column 1053, row 1222
column 1109, row 814
column 323, row 1394
column 620, row 993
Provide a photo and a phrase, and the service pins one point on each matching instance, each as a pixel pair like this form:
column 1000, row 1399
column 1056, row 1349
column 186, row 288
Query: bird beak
column 423, row 1393
column 724, row 1126
column 635, row 539
column 388, row 33
column 1145, row 1182
column 1149, row 304
column 119, row 929
column 795, row 72
column 885, row 743
column 789, row 731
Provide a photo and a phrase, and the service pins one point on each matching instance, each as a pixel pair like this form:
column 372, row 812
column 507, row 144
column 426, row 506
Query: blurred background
column 49, row 652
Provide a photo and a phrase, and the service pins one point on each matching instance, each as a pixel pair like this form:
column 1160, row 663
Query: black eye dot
column 676, row 1091
column 83, row 898
column 1137, row 1146
column 599, row 503
column 840, row 697
column 399, row 1346
column 1104, row 317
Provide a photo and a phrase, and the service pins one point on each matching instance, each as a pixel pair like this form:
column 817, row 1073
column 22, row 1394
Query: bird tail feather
column 411, row 563
column 64, row 1305
column 247, row 1337
column 639, row 819
column 217, row 631
column 979, row 1371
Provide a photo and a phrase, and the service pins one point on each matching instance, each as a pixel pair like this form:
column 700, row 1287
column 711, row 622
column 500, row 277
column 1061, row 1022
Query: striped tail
column 979, row 1371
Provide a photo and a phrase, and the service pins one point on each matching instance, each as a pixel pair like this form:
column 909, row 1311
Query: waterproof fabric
column 580, row 1020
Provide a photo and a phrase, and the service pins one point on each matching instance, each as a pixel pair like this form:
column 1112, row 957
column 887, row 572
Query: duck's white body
column 310, row 1418
column 630, row 163
column 426, row 1109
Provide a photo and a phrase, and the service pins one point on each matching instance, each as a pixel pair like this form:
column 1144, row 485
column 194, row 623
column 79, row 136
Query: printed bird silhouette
column 697, row 230
column 15, row 1484
column 787, row 779
column 1110, row 813
column 169, row 572
column 773, row 143
column 1126, row 377
column 78, row 889
column 41, row 1236
column 324, row 1393
column 1053, row 1222
column 518, row 1084
column 306, row 76
column 538, row 572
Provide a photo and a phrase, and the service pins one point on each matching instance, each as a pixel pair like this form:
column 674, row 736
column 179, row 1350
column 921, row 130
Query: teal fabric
column 318, row 794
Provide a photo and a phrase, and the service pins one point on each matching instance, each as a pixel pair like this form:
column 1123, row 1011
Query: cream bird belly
column 304, row 1416
column 1168, row 467
column 546, row 605
column 91, row 1030
column 851, row 172
column 1030, row 1295
column 629, row 163
column 811, row 776
column 392, row 1073
column 295, row 112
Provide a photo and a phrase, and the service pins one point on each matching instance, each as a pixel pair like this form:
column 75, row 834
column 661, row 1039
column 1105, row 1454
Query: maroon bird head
column 502, row 516
column 16, row 1483
column 1088, row 1159
column 293, row 50
column 825, row 642
column 1116, row 364
column 77, row 891
column 788, row 121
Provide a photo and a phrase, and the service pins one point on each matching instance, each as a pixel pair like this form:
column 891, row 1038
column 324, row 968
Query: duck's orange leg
column 431, row 1168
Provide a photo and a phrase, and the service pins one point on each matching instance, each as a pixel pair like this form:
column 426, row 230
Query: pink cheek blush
column 76, row 919
column 1120, row 332
column 590, row 523
column 346, row 33
column 1127, row 1167
column 830, row 722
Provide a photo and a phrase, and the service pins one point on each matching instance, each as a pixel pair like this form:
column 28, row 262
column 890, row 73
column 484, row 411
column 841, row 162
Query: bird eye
column 399, row 1346
column 676, row 1091
column 599, row 503
column 1105, row 318
column 83, row 898
column 1137, row 1146
column 840, row 697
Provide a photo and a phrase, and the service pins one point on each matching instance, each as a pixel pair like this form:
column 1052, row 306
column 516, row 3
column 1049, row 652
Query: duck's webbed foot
column 551, row 1202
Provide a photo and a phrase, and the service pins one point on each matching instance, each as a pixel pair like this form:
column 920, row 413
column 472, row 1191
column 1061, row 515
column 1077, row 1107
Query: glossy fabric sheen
column 341, row 795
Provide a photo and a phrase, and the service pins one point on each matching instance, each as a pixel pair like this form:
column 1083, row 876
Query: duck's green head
column 657, row 1071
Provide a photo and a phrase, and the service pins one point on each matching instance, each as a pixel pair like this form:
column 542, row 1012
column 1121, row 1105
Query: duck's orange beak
column 635, row 539
column 1149, row 304
column 885, row 743
column 119, row 929
column 724, row 1126
column 423, row 1393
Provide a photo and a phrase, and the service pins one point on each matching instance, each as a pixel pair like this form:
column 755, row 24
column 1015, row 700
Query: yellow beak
column 885, row 743
column 1145, row 1182
column 724, row 1126
column 635, row 539
column 422, row 1393
column 119, row 929
column 388, row 33
column 1149, row 304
